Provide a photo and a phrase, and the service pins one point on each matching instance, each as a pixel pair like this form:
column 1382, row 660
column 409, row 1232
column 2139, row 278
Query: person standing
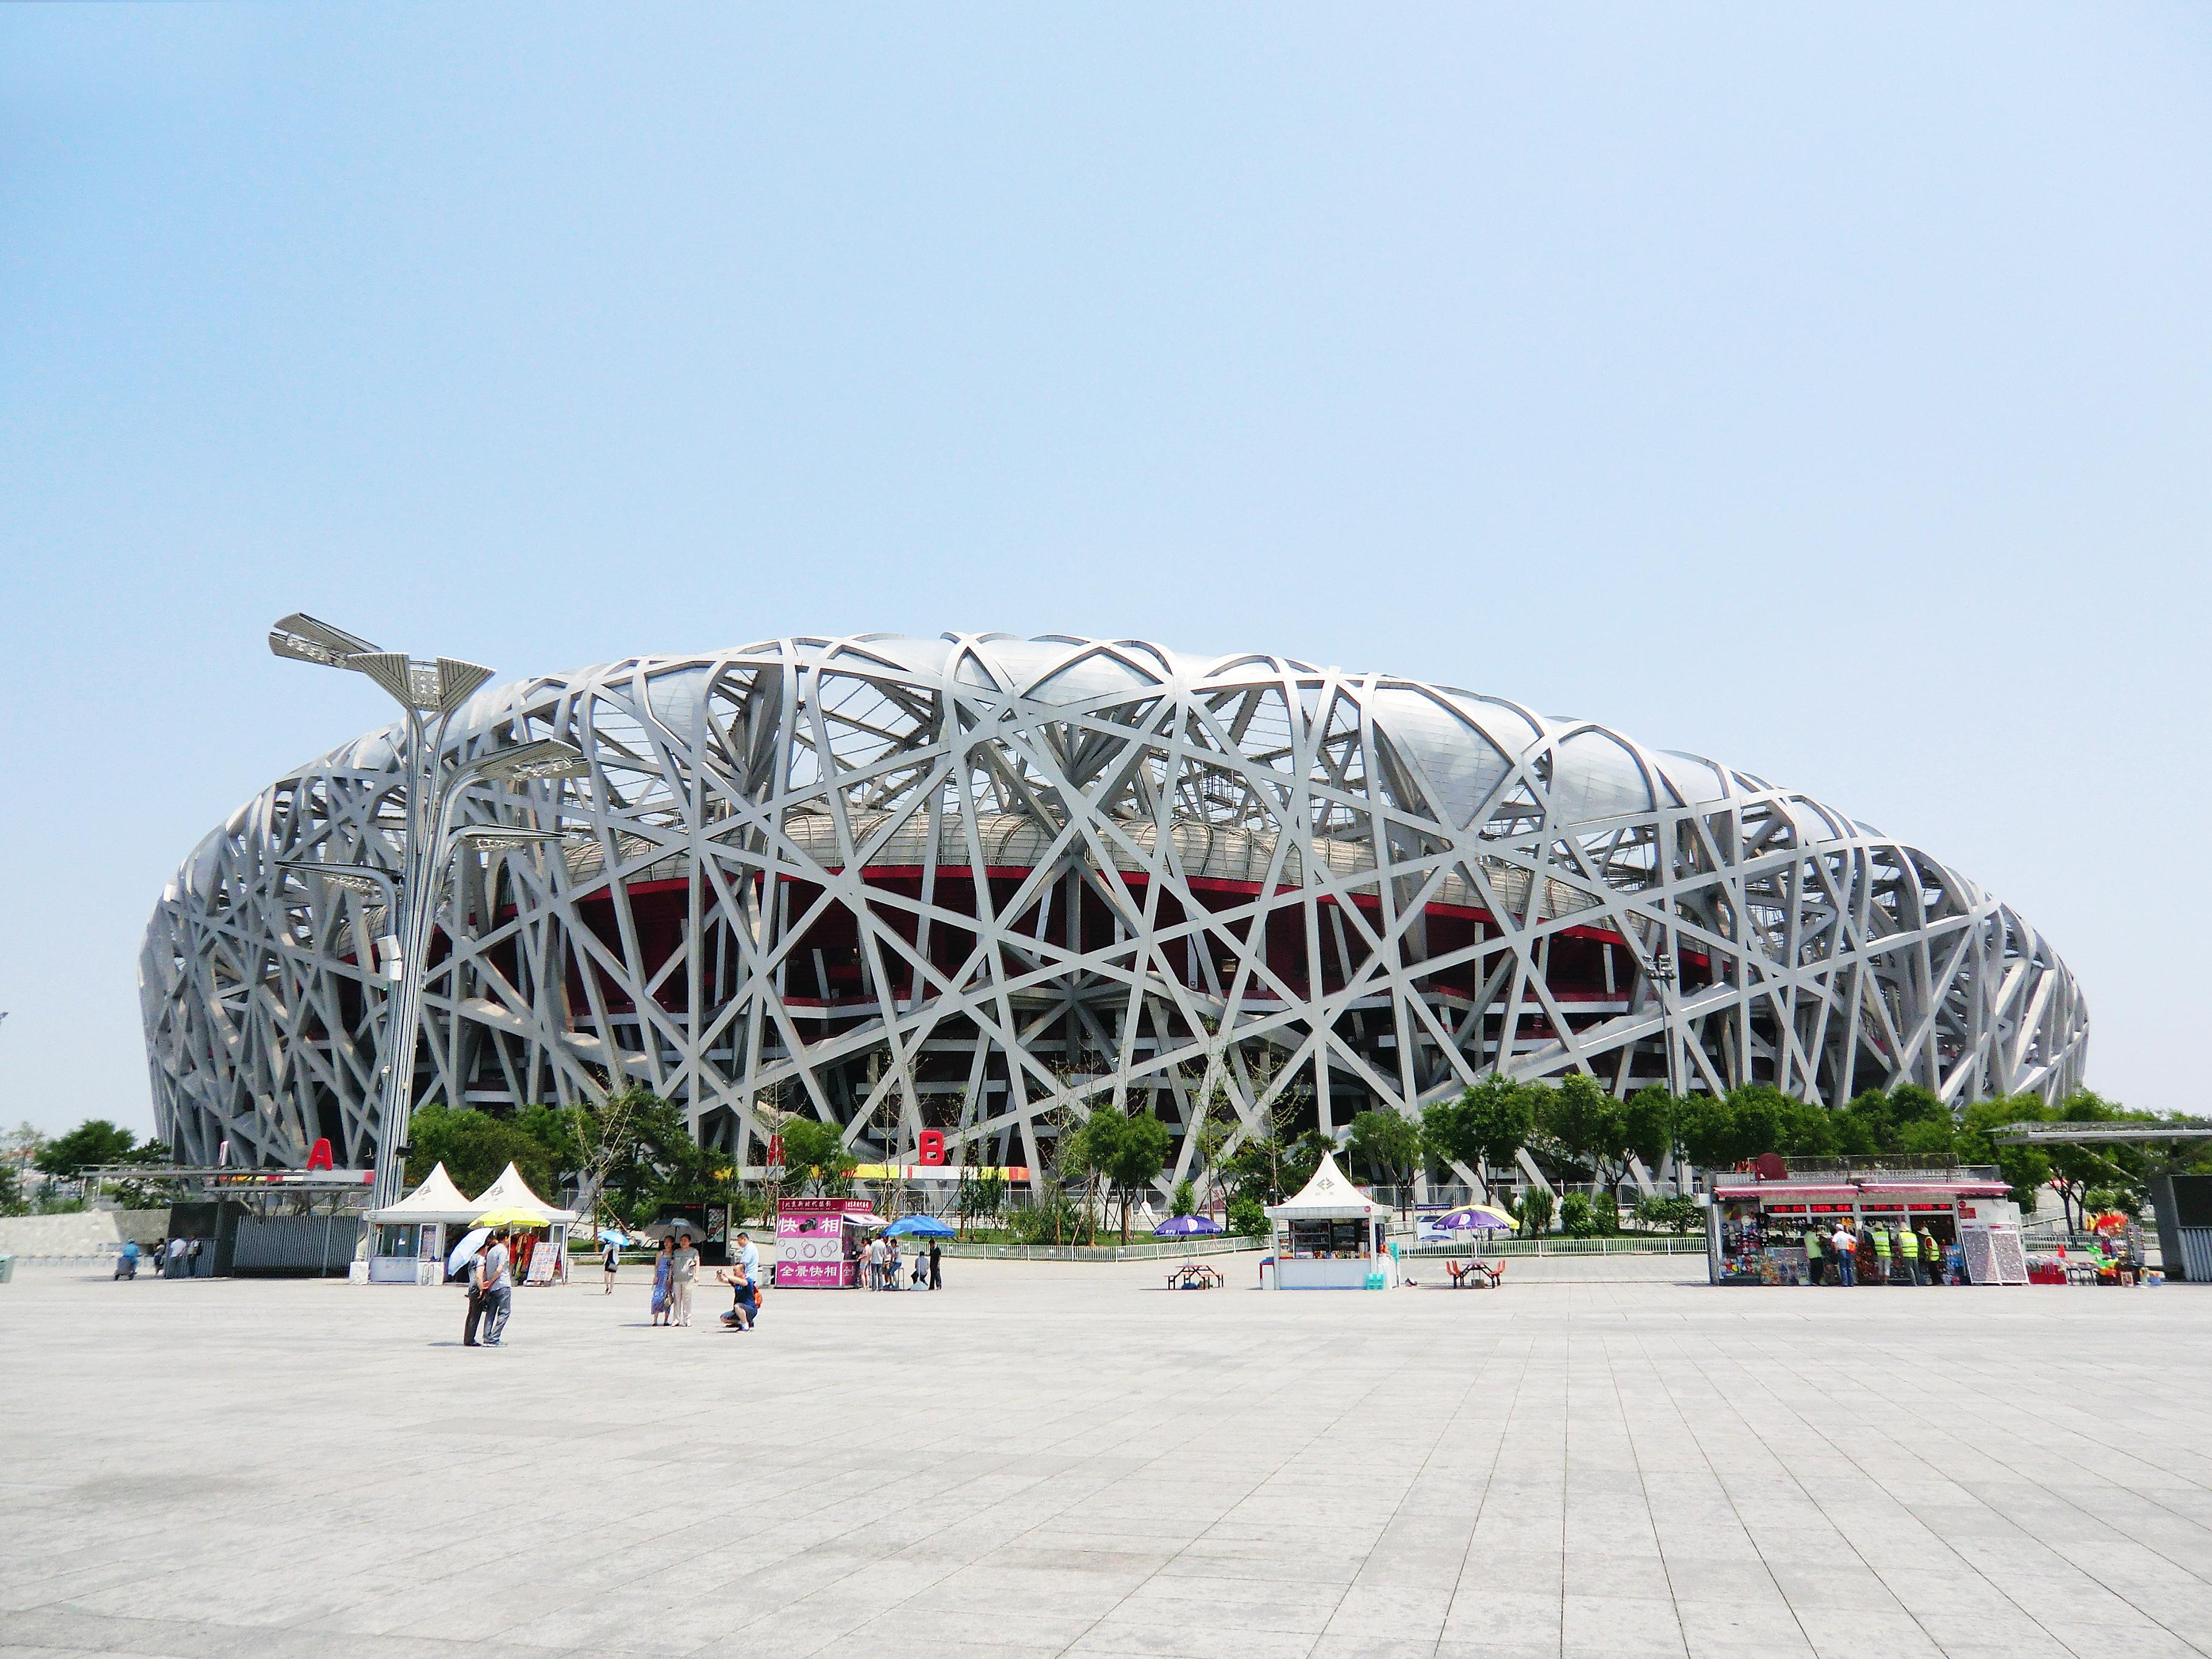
column 610, row 1260
column 499, row 1288
column 477, row 1303
column 1879, row 1234
column 1932, row 1255
column 683, row 1271
column 1908, row 1254
column 1845, row 1248
column 661, row 1287
column 1813, row 1255
column 936, row 1271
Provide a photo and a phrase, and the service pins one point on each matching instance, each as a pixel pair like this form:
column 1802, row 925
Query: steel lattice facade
column 975, row 883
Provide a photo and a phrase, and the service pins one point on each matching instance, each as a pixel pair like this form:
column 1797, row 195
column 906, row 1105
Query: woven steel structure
column 978, row 883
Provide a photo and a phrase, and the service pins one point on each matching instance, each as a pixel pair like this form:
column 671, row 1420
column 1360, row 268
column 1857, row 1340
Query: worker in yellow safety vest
column 1908, row 1249
column 1932, row 1254
column 1813, row 1255
column 1880, row 1235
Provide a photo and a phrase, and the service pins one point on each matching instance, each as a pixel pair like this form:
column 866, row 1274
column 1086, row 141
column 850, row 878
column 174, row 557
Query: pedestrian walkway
column 1046, row 1459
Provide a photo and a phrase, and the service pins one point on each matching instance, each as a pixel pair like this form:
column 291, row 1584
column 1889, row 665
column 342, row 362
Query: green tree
column 1125, row 1149
column 1248, row 1216
column 1583, row 1123
column 1758, row 1112
column 981, row 1197
column 1184, row 1199
column 475, row 1147
column 1535, row 1211
column 561, row 1131
column 1680, row 1215
column 1484, row 1129
column 815, row 1153
column 1386, row 1145
column 1651, row 1124
column 1588, row 1217
column 93, row 1141
column 2024, row 1168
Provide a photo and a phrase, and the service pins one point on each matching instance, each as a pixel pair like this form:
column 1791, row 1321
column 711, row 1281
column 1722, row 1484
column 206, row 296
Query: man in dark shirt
column 936, row 1272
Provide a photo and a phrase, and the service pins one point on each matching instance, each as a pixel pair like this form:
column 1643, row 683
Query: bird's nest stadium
column 978, row 883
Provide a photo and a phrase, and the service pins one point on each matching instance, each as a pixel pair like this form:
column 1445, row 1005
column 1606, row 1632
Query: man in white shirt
column 1846, row 1247
column 499, row 1288
column 748, row 1259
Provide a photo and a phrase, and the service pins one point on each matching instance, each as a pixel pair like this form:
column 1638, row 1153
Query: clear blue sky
column 1825, row 389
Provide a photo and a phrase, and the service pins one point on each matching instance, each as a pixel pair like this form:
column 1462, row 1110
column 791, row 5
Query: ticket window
column 1331, row 1241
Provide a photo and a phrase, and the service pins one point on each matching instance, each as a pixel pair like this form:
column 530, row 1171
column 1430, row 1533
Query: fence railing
column 1151, row 1250
column 1620, row 1244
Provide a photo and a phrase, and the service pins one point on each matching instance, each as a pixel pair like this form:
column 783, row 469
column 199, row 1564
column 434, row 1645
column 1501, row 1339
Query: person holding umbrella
column 683, row 1271
column 498, row 1287
column 475, row 1320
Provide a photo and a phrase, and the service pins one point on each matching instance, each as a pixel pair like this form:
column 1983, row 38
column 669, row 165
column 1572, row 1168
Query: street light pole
column 428, row 694
column 1662, row 976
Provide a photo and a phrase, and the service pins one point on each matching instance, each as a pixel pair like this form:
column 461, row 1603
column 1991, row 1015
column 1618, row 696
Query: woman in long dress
column 661, row 1264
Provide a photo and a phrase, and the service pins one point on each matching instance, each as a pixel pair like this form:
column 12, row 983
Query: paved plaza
column 1054, row 1460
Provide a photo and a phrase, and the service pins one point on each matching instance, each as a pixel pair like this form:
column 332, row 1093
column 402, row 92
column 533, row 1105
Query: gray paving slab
column 1049, row 1459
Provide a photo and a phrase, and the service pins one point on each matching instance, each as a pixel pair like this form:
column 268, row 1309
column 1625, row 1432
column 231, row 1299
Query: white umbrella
column 472, row 1241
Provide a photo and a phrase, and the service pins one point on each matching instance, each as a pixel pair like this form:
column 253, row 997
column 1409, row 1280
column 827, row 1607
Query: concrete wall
column 89, row 1232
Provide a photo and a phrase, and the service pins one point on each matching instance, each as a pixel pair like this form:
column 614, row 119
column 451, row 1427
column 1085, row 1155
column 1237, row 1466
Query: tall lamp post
column 428, row 693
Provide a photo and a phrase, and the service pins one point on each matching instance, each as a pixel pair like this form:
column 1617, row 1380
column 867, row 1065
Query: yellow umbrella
column 511, row 1218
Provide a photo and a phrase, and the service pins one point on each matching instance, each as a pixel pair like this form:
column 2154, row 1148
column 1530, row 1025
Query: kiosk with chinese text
column 1332, row 1236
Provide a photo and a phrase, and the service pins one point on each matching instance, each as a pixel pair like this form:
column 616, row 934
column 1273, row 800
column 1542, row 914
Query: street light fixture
column 429, row 693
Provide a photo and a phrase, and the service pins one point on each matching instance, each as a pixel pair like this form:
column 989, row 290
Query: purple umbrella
column 1186, row 1226
column 1471, row 1220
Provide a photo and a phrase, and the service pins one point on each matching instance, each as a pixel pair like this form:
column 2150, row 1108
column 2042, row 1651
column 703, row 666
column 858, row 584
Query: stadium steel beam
column 978, row 884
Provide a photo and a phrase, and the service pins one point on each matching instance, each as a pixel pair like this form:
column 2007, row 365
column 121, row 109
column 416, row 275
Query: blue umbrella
column 917, row 1226
column 1186, row 1226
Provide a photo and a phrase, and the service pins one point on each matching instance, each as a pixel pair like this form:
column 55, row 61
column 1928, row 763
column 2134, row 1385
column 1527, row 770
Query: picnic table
column 1194, row 1276
column 1481, row 1275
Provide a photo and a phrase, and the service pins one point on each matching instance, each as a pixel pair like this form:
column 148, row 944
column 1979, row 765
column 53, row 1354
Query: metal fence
column 1620, row 1244
column 1152, row 1251
column 295, row 1244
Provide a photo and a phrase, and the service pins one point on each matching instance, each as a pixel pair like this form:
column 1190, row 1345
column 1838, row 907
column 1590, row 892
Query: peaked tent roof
column 436, row 1200
column 1329, row 1196
column 512, row 1192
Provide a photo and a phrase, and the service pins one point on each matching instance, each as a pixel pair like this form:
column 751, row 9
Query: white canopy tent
column 512, row 1192
column 1331, row 1236
column 409, row 1236
column 436, row 1200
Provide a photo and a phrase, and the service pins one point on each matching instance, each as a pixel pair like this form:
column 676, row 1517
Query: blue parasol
column 917, row 1226
column 1187, row 1226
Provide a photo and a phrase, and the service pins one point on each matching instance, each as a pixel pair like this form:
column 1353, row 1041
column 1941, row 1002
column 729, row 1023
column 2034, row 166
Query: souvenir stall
column 2112, row 1256
column 1332, row 1236
column 1758, row 1221
column 818, row 1241
column 408, row 1243
column 536, row 1261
